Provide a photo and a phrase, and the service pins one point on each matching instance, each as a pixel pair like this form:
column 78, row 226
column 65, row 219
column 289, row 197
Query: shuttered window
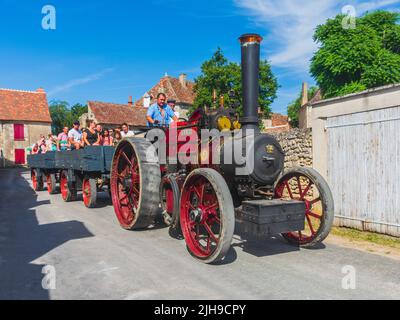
column 19, row 156
column 19, row 132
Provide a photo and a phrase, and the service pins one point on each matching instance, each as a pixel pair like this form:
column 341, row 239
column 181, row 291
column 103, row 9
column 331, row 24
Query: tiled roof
column 113, row 113
column 173, row 89
column 317, row 97
column 18, row 105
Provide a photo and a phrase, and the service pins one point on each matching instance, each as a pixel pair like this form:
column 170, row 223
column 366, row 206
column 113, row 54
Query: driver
column 160, row 114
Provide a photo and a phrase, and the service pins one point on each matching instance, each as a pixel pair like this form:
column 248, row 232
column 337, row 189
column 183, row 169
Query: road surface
column 93, row 258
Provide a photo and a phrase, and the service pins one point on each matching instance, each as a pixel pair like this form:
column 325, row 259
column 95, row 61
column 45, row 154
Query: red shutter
column 19, row 156
column 19, row 132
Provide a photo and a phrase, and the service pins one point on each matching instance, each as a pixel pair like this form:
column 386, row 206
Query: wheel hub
column 127, row 184
column 196, row 215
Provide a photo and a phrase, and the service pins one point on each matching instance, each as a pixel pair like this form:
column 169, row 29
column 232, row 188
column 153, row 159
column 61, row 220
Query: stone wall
column 297, row 145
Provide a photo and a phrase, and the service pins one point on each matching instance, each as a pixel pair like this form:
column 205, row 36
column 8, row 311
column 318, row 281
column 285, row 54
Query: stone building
column 24, row 116
column 179, row 89
column 112, row 115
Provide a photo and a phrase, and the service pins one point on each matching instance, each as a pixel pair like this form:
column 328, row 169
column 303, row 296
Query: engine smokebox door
column 268, row 217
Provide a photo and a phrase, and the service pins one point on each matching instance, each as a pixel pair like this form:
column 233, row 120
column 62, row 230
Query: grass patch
column 357, row 235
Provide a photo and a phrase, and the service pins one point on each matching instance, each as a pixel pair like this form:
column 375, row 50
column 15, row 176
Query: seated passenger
column 107, row 139
column 160, row 114
column 62, row 140
column 51, row 144
column 91, row 136
column 125, row 132
column 75, row 136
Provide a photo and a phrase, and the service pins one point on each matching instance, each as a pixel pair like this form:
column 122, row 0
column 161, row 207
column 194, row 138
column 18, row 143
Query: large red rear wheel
column 207, row 215
column 89, row 192
column 306, row 184
column 135, row 181
column 68, row 194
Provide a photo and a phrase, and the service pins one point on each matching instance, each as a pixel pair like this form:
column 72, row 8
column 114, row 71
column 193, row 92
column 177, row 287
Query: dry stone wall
column 297, row 145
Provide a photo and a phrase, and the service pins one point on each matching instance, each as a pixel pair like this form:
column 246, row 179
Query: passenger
column 172, row 103
column 160, row 114
column 51, row 144
column 62, row 140
column 107, row 139
column 35, row 149
column 125, row 132
column 75, row 136
column 117, row 137
column 99, row 130
column 91, row 136
column 42, row 144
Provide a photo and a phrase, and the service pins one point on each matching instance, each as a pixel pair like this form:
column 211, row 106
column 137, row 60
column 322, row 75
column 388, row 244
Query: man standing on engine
column 160, row 114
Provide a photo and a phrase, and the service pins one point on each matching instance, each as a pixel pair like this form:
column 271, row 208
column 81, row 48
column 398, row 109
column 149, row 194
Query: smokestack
column 130, row 100
column 250, row 44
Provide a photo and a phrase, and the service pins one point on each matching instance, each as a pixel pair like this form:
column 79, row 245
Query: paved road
column 95, row 259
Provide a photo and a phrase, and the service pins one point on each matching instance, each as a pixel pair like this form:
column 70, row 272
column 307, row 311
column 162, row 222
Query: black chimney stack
column 250, row 44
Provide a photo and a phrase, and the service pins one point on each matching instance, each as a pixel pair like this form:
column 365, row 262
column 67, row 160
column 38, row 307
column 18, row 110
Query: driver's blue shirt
column 154, row 112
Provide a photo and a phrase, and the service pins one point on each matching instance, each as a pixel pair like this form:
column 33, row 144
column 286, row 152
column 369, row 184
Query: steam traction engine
column 206, row 201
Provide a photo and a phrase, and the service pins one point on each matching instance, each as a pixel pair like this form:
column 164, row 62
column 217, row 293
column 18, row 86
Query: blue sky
column 108, row 50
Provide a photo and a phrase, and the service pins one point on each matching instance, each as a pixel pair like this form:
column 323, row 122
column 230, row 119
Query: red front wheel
column 306, row 184
column 51, row 183
column 207, row 215
column 37, row 180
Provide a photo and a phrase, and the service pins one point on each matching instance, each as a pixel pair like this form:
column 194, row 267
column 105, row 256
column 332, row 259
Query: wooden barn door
column 364, row 169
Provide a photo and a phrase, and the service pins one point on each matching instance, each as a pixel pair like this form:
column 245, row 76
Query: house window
column 19, row 132
column 19, row 156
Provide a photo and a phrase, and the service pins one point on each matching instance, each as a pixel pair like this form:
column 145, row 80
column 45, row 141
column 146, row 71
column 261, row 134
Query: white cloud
column 76, row 82
column 290, row 25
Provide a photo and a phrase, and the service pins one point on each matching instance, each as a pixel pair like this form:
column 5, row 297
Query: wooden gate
column 364, row 169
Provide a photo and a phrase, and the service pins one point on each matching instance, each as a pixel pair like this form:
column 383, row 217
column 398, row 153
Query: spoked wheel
column 135, row 181
column 306, row 184
column 207, row 215
column 37, row 180
column 68, row 194
column 89, row 192
column 51, row 183
column 169, row 196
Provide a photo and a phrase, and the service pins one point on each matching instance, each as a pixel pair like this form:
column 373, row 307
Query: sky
column 109, row 50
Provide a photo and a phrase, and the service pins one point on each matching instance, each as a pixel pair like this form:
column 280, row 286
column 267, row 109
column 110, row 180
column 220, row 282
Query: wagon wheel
column 51, row 183
column 135, row 182
column 37, row 180
column 68, row 194
column 306, row 184
column 169, row 196
column 207, row 215
column 89, row 192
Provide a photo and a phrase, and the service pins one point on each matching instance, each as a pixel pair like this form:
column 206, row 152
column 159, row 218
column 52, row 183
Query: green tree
column 62, row 115
column 77, row 110
column 294, row 108
column 352, row 60
column 220, row 74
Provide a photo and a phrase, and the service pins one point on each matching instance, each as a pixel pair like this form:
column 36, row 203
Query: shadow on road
column 23, row 240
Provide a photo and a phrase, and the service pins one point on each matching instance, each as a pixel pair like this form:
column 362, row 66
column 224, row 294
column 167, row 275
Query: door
column 19, row 156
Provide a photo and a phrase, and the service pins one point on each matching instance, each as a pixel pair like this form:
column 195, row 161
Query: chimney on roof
column 304, row 94
column 130, row 100
column 41, row 90
column 182, row 79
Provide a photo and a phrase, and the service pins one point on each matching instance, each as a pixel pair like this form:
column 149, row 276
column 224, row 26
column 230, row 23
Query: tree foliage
column 352, row 60
column 62, row 115
column 220, row 74
column 294, row 108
